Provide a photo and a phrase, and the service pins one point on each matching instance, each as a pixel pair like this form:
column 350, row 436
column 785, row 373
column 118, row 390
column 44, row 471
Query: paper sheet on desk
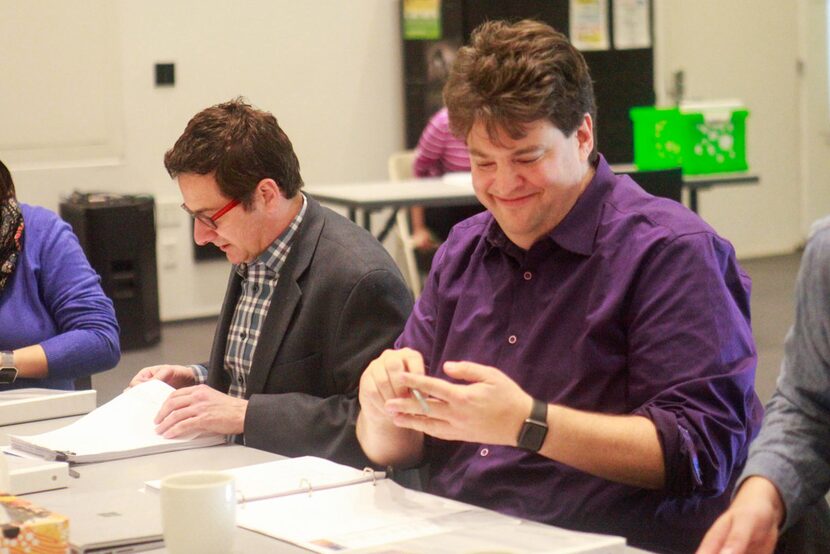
column 347, row 518
column 123, row 427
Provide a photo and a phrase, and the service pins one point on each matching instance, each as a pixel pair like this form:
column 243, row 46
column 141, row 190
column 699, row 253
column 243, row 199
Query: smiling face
column 530, row 184
column 242, row 234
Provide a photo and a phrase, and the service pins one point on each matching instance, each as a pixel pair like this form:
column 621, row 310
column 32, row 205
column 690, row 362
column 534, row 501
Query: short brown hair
column 512, row 74
column 241, row 146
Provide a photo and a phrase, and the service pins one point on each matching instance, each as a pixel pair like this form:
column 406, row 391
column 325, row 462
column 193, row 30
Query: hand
column 490, row 409
column 381, row 381
column 177, row 376
column 423, row 239
column 200, row 409
column 751, row 522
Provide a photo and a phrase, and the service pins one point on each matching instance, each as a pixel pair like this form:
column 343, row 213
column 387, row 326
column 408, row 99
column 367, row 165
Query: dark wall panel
column 622, row 78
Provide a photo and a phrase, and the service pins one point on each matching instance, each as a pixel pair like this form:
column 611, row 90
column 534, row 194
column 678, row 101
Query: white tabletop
column 127, row 477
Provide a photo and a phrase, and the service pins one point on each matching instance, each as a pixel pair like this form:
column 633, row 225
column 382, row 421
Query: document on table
column 384, row 517
column 351, row 517
column 121, row 428
column 303, row 475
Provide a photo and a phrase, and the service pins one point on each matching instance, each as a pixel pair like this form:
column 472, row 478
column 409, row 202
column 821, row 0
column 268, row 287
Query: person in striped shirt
column 438, row 152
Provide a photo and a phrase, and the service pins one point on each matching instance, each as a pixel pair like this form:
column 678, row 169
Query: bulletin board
column 622, row 65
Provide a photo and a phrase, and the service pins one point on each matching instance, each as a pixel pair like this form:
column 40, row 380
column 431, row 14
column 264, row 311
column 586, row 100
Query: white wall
column 329, row 70
column 331, row 73
column 746, row 49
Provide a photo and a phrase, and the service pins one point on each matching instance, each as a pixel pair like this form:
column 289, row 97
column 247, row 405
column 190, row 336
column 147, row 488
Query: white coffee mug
column 198, row 512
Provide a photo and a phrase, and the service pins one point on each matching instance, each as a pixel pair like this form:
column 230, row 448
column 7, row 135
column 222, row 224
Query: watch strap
column 535, row 427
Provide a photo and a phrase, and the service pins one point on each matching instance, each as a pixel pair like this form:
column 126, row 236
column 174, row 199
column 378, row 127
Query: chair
column 666, row 183
column 400, row 169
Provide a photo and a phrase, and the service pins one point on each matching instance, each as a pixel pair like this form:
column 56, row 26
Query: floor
column 772, row 313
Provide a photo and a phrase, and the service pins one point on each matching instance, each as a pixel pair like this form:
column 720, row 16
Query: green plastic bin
column 658, row 135
column 714, row 146
column 700, row 138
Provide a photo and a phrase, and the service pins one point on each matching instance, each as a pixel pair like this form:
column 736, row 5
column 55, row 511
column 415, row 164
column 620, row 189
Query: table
column 127, row 476
column 363, row 199
column 695, row 183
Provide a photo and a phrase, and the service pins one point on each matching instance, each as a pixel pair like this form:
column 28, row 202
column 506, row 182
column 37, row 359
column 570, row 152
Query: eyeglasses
column 210, row 221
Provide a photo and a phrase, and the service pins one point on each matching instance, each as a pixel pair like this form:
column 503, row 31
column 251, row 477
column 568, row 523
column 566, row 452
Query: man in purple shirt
column 582, row 352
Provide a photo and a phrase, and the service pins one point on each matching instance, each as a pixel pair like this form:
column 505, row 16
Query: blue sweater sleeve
column 87, row 340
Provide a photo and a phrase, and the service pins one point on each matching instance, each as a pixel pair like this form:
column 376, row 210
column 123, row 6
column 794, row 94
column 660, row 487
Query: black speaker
column 118, row 235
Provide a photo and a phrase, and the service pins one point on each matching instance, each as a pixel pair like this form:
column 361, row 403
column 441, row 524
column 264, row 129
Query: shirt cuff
column 199, row 373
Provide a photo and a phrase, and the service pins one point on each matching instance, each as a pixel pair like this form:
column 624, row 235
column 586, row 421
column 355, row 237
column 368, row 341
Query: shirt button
column 256, row 288
column 484, row 451
column 243, row 335
column 241, row 380
column 528, row 276
column 512, row 339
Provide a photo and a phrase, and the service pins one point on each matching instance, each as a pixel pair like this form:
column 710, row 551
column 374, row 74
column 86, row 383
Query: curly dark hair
column 240, row 145
column 512, row 74
column 6, row 183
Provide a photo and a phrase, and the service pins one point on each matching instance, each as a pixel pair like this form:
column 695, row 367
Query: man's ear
column 585, row 137
column 268, row 191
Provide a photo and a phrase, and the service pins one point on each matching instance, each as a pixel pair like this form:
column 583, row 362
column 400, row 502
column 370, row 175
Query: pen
column 420, row 398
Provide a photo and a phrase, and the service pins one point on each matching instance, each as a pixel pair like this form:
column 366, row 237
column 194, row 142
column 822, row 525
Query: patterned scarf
column 11, row 238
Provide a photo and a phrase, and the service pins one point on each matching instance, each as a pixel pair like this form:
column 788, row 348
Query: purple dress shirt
column 631, row 305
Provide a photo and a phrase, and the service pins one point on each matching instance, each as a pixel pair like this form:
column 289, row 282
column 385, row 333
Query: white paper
column 589, row 24
column 631, row 24
column 120, row 427
column 351, row 517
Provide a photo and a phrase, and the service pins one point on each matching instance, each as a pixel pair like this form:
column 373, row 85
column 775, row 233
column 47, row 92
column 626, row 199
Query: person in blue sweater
column 56, row 323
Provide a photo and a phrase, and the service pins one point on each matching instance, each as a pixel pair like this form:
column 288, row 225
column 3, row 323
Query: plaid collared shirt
column 259, row 280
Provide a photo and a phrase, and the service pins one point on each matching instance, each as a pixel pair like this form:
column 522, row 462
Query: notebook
column 121, row 428
column 111, row 521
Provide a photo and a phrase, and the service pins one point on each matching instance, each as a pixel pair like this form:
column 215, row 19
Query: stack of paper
column 121, row 428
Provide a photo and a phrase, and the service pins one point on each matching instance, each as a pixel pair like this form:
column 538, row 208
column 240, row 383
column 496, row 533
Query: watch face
column 532, row 436
column 7, row 375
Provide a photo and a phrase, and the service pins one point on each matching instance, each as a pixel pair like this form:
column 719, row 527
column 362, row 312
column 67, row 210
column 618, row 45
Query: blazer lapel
column 286, row 297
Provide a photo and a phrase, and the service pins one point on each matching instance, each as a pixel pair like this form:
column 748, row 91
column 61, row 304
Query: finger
column 410, row 406
column 185, row 426
column 379, row 375
column 174, row 417
column 176, row 401
column 431, row 386
column 428, row 425
column 468, row 371
column 393, row 367
column 738, row 539
column 715, row 537
column 413, row 361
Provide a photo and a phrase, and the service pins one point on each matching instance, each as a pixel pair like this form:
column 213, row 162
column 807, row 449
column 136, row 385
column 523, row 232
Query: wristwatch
column 535, row 428
column 8, row 372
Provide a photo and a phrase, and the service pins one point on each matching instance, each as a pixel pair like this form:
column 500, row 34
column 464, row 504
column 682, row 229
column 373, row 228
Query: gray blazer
column 340, row 301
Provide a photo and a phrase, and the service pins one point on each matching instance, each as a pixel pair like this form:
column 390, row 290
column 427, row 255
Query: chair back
column 400, row 165
column 666, row 183
column 400, row 169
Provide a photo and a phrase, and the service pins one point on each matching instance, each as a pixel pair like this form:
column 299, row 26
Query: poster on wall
column 589, row 24
column 631, row 24
column 422, row 19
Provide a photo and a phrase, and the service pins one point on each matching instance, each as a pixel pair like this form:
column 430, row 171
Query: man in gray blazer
column 312, row 297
